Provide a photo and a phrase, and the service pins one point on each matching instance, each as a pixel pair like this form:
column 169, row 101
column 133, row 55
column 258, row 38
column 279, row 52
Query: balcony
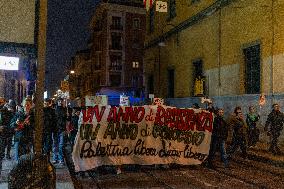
column 115, row 67
column 98, row 67
column 116, row 27
column 115, row 47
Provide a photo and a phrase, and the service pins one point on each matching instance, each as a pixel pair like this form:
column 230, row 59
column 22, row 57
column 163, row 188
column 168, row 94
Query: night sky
column 67, row 32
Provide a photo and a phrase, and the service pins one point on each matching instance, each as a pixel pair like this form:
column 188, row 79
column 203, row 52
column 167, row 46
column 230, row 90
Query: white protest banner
column 142, row 135
column 124, row 100
column 96, row 100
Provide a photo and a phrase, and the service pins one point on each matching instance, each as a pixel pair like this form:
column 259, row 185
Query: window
column 116, row 41
column 151, row 22
column 171, row 83
column 252, row 69
column 135, row 64
column 136, row 42
column 151, row 84
column 136, row 23
column 135, row 81
column 199, row 79
column 172, row 9
column 116, row 23
column 115, row 80
column 98, row 61
column 116, row 62
column 198, row 68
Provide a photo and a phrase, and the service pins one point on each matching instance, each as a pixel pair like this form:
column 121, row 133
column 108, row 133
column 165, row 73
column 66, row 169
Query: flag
column 161, row 6
column 148, row 4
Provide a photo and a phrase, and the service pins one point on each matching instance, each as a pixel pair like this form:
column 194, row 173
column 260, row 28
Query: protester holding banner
column 58, row 137
column 218, row 138
column 239, row 133
column 253, row 132
column 144, row 135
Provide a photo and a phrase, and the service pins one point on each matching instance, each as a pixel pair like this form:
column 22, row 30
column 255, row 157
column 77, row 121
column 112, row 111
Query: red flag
column 148, row 4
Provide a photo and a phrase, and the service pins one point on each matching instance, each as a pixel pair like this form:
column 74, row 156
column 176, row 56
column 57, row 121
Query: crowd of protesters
column 61, row 127
column 245, row 132
column 17, row 124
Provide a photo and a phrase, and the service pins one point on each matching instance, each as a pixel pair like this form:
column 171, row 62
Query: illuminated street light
column 72, row 71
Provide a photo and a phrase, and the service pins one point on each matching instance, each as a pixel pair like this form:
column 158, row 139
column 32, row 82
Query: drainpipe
column 272, row 53
column 219, row 51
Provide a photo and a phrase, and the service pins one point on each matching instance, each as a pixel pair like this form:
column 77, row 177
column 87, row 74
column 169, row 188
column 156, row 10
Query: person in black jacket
column 239, row 133
column 58, row 137
column 218, row 138
column 5, row 118
column 49, row 126
column 274, row 126
column 23, row 125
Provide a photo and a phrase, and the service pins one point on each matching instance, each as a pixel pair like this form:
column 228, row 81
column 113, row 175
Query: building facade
column 18, row 38
column 116, row 48
column 234, row 47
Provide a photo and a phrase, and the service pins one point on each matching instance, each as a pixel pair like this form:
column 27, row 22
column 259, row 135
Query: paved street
column 63, row 180
column 249, row 173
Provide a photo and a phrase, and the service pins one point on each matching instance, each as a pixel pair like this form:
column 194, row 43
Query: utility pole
column 35, row 170
column 41, row 50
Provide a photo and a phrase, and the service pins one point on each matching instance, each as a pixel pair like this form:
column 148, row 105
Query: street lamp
column 72, row 71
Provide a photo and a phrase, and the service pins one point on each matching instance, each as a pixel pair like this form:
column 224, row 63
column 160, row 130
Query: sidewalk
column 63, row 179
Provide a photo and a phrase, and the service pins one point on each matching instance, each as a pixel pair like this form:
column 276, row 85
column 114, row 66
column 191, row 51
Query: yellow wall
column 221, row 34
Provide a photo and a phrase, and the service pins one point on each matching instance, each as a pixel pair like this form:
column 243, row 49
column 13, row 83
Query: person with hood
column 274, row 126
column 218, row 138
column 58, row 137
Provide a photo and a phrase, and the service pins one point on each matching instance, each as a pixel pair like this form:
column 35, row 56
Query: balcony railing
column 98, row 67
column 115, row 67
column 115, row 47
column 116, row 27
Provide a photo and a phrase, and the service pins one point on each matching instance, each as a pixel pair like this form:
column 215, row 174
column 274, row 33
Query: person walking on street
column 58, row 137
column 4, row 124
column 239, row 134
column 49, row 126
column 273, row 127
column 9, row 132
column 218, row 138
column 23, row 125
column 253, row 132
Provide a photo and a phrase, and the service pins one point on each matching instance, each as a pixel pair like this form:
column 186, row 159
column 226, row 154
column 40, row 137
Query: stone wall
column 230, row 102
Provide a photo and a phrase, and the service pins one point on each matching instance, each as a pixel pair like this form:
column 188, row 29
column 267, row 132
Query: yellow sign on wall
column 199, row 86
